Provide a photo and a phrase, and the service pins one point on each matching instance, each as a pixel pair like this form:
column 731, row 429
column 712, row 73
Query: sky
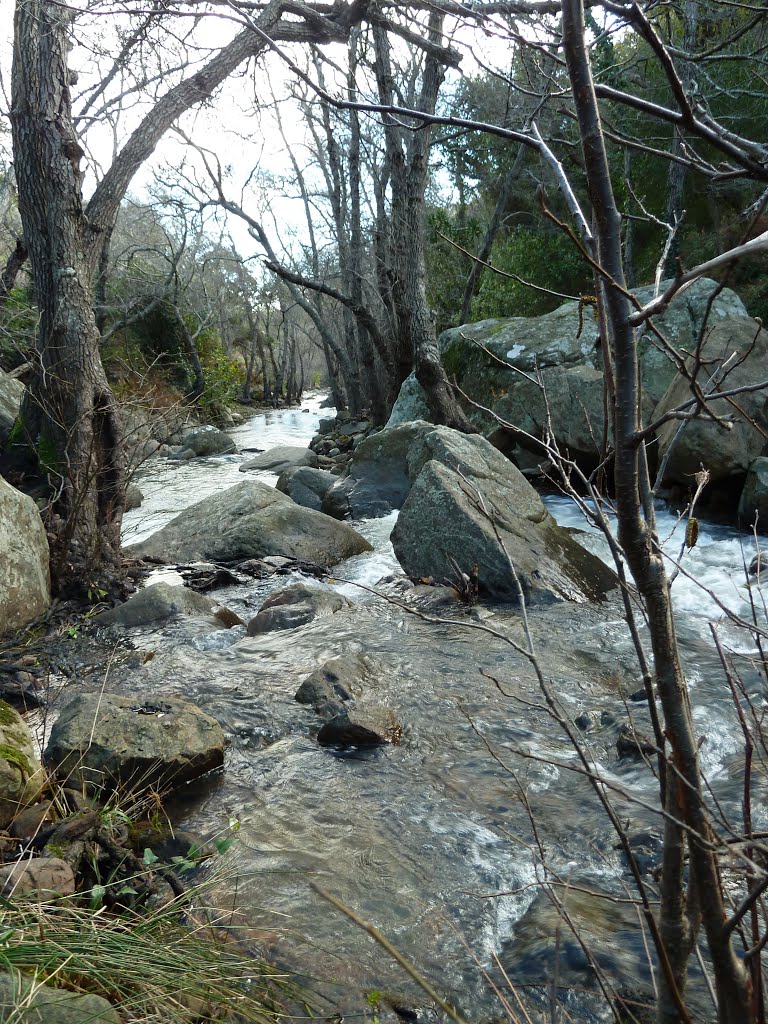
column 226, row 127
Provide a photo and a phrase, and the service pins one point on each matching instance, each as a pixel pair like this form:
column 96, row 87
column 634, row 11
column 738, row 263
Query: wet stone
column 362, row 725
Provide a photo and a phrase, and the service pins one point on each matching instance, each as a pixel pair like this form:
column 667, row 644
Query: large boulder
column 469, row 504
column 280, row 458
column 726, row 453
column 295, row 606
column 24, row 573
column 378, row 479
column 11, row 391
column 564, row 346
column 208, row 440
column 21, row 774
column 307, row 486
column 251, row 520
column 105, row 741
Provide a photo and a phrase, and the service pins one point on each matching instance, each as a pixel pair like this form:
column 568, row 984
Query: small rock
column 157, row 602
column 295, row 606
column 42, row 876
column 28, row 1001
column 363, row 725
column 28, row 822
column 208, row 440
column 227, row 617
column 634, row 745
column 133, row 497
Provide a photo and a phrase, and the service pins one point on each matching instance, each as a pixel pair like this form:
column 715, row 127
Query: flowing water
column 441, row 841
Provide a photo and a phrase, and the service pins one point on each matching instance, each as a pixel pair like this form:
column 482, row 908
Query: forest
column 225, row 204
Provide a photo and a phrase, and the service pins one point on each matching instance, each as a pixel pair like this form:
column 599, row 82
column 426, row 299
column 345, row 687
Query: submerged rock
column 280, row 458
column 295, row 606
column 599, row 933
column 361, row 725
column 24, row 573
column 251, row 520
column 105, row 741
column 484, row 511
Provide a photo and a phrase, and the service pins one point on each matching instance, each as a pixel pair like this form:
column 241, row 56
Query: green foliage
column 223, row 378
column 447, row 266
column 547, row 260
column 18, row 325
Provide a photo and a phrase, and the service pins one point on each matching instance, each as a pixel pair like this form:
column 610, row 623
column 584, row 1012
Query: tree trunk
column 69, row 413
column 409, row 168
column 682, row 797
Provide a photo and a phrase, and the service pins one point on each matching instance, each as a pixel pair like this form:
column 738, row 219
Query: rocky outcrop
column 103, row 741
column 468, row 504
column 563, row 346
column 280, row 458
column 24, row 573
column 306, row 486
column 208, row 440
column 11, row 391
column 726, row 453
column 21, row 774
column 251, row 520
column 295, row 606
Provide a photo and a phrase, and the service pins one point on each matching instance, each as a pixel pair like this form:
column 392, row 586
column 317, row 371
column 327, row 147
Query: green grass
column 152, row 966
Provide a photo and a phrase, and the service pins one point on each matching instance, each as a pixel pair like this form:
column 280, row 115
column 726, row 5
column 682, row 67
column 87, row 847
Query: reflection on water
column 439, row 841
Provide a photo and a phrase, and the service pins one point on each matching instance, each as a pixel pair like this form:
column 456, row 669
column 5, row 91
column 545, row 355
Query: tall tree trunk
column 69, row 413
column 409, row 168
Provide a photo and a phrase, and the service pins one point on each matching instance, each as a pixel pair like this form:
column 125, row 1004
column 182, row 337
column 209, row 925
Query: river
column 444, row 841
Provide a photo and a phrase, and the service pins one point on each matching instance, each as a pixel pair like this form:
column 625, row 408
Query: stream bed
column 443, row 841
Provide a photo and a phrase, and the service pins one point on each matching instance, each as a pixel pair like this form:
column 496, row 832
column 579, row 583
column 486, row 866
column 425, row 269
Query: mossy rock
column 21, row 774
column 25, row 1001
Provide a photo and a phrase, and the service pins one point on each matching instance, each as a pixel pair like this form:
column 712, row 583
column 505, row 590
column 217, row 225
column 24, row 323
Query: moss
column 14, row 756
column 452, row 360
column 7, row 715
column 48, row 453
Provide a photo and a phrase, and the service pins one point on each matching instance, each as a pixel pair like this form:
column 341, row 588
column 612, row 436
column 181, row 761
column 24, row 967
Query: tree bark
column 409, row 168
column 69, row 413
column 683, row 798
